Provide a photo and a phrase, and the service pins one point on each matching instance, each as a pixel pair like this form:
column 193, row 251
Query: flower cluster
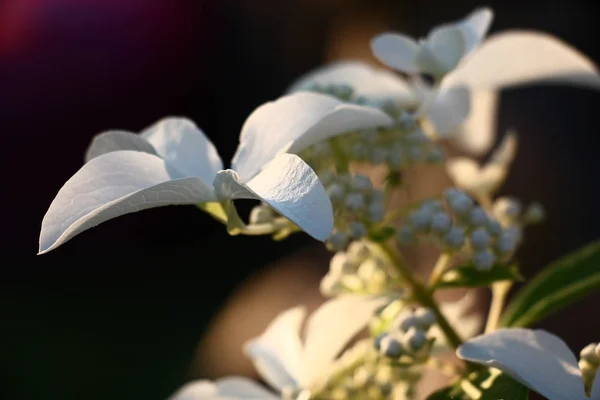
column 299, row 157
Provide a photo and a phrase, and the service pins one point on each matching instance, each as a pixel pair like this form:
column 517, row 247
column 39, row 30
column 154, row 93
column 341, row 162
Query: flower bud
column 441, row 223
column 331, row 285
column 336, row 193
column 358, row 230
column 478, row 217
column 341, row 265
column 420, row 219
column 405, row 235
column 414, row 339
column 337, row 241
column 588, row 353
column 426, row 318
column 378, row 155
column 361, row 183
column 389, row 347
column 461, row 203
column 375, row 212
column 480, row 239
column 357, row 252
column 534, row 214
column 455, row 238
column 507, row 208
column 355, row 201
column 484, row 260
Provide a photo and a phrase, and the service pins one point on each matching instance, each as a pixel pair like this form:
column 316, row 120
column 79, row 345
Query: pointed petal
column 366, row 80
column 475, row 26
column 396, row 51
column 442, row 51
column 110, row 141
column 276, row 353
column 596, row 388
column 477, row 133
column 460, row 316
column 521, row 57
column 534, row 357
column 449, row 109
column 288, row 185
column 294, row 122
column 464, row 172
column 329, row 330
column 183, row 145
column 233, row 388
column 114, row 184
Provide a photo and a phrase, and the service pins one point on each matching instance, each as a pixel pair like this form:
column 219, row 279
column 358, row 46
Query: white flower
column 285, row 361
column 508, row 59
column 439, row 53
column 484, row 180
column 173, row 162
column 445, row 110
column 536, row 358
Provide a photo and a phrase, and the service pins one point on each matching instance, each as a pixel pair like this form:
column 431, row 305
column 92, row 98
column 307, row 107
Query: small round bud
column 484, row 260
column 507, row 208
column 480, row 239
column 375, row 212
column 420, row 219
column 515, row 231
column 506, row 244
column 455, row 238
column 341, row 265
column 406, row 234
column 405, row 322
column 361, row 183
column 261, row 214
column 452, row 193
column 432, row 205
column 390, row 347
column 414, row 339
column 494, row 227
column 336, row 193
column 426, row 318
column 461, row 203
column 378, row 155
column 358, row 230
column 534, row 214
column 588, row 353
column 478, row 217
column 355, row 201
column 441, row 222
column 357, row 252
column 337, row 241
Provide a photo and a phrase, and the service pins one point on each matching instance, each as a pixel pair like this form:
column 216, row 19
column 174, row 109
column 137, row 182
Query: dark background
column 117, row 311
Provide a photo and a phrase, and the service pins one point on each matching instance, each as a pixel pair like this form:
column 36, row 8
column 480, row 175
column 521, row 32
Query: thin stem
column 499, row 292
column 441, row 266
column 421, row 294
column 445, row 367
column 264, row 229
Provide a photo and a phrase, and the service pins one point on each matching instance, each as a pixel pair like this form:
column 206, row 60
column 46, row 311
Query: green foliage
column 484, row 385
column 469, row 276
column 560, row 284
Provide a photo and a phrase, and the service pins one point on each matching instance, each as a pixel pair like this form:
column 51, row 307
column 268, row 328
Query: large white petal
column 329, row 330
column 114, row 184
column 288, row 185
column 521, row 57
column 276, row 353
column 182, row 144
column 477, row 133
column 442, row 50
column 233, row 388
column 596, row 388
column 397, row 51
column 109, row 141
column 449, row 109
column 294, row 122
column 534, row 357
column 365, row 79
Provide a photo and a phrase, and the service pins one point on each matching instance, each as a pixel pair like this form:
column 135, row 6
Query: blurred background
column 132, row 309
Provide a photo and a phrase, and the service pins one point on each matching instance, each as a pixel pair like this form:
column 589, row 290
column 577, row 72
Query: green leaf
column 484, row 385
column 503, row 386
column 444, row 394
column 469, row 276
column 560, row 284
column 381, row 235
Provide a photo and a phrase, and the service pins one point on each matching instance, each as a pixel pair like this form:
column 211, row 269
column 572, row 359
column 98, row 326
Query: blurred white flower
column 173, row 162
column 508, row 59
column 536, row 358
column 290, row 365
column 484, row 180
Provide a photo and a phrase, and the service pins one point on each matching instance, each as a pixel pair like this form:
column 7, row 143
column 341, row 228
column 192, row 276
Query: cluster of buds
column 407, row 338
column 356, row 270
column 589, row 362
column 457, row 224
column 509, row 212
column 358, row 205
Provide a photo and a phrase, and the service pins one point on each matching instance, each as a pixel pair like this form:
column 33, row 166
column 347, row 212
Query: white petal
column 596, row 388
column 477, row 133
column 110, row 141
column 397, row 51
column 534, row 357
column 520, row 57
column 276, row 353
column 233, row 388
column 114, row 184
column 294, row 122
column 449, row 109
column 366, row 80
column 182, row 144
column 464, row 172
column 288, row 185
column 329, row 330
column 475, row 26
column 442, row 51
column 460, row 316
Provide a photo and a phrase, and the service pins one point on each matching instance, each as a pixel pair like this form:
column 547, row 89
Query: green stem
column 422, row 294
column 499, row 292
column 440, row 268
